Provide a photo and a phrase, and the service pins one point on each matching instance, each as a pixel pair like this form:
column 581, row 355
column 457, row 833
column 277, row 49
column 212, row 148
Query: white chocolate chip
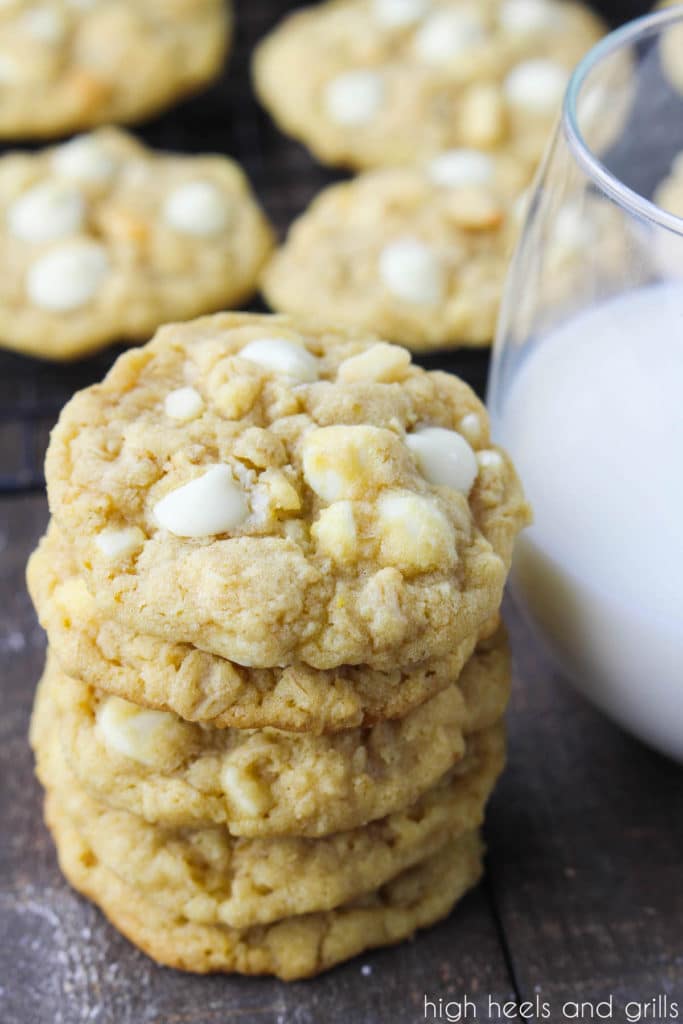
column 412, row 271
column 281, row 495
column 46, row 212
column 524, row 17
column 67, row 277
column 183, row 404
column 470, row 427
column 536, row 86
column 345, row 461
column 399, row 13
column 84, row 159
column 208, row 505
column 382, row 362
column 415, row 534
column 354, row 97
column 444, row 457
column 283, row 357
column 74, row 601
column 133, row 731
column 198, row 208
column 247, row 794
column 44, row 24
column 460, row 168
column 447, row 34
column 489, row 459
column 119, row 543
column 335, row 531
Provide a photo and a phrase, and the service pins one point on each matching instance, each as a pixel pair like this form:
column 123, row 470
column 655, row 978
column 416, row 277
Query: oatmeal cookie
column 68, row 65
column 265, row 782
column 671, row 50
column 417, row 255
column 212, row 877
column 295, row 947
column 277, row 497
column 203, row 687
column 382, row 82
column 103, row 239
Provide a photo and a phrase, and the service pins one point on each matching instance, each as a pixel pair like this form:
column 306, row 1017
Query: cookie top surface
column 372, row 82
column 417, row 255
column 204, row 687
column 278, row 497
column 295, row 947
column 67, row 64
column 103, row 239
column 268, row 782
column 211, row 877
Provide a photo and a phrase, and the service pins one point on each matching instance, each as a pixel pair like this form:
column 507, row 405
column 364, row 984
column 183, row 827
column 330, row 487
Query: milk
column 594, row 421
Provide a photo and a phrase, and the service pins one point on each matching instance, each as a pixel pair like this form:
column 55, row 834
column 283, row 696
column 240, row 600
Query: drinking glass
column 586, row 383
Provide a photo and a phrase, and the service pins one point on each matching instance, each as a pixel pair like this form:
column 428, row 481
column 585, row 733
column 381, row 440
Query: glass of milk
column 586, row 386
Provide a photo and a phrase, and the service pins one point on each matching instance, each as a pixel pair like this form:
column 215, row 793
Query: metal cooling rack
column 225, row 119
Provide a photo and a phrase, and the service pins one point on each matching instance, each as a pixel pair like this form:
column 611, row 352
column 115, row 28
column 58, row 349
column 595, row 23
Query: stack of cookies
column 270, row 716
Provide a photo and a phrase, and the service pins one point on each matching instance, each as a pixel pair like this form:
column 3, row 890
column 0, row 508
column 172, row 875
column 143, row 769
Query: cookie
column 669, row 193
column 417, row 255
column 103, row 239
column 68, row 65
column 295, row 947
column 276, row 497
column 203, row 687
column 671, row 50
column 213, row 878
column 367, row 83
column 265, row 782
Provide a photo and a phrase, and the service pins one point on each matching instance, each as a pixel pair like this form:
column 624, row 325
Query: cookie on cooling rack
column 379, row 82
column 417, row 255
column 103, row 239
column 66, row 65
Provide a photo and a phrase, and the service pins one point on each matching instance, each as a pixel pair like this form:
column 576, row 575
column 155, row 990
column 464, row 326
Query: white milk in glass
column 594, row 421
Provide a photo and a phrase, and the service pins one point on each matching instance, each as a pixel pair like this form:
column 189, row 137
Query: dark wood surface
column 583, row 898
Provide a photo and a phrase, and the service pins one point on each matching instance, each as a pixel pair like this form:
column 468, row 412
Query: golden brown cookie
column 212, row 877
column 669, row 192
column 295, row 947
column 206, row 688
column 671, row 49
column 265, row 782
column 277, row 496
column 67, row 64
column 103, row 239
column 383, row 82
column 416, row 255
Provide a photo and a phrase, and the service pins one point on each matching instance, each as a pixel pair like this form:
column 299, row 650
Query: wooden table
column 583, row 898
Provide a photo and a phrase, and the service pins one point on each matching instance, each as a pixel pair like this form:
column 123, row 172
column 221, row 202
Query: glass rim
column 626, row 197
